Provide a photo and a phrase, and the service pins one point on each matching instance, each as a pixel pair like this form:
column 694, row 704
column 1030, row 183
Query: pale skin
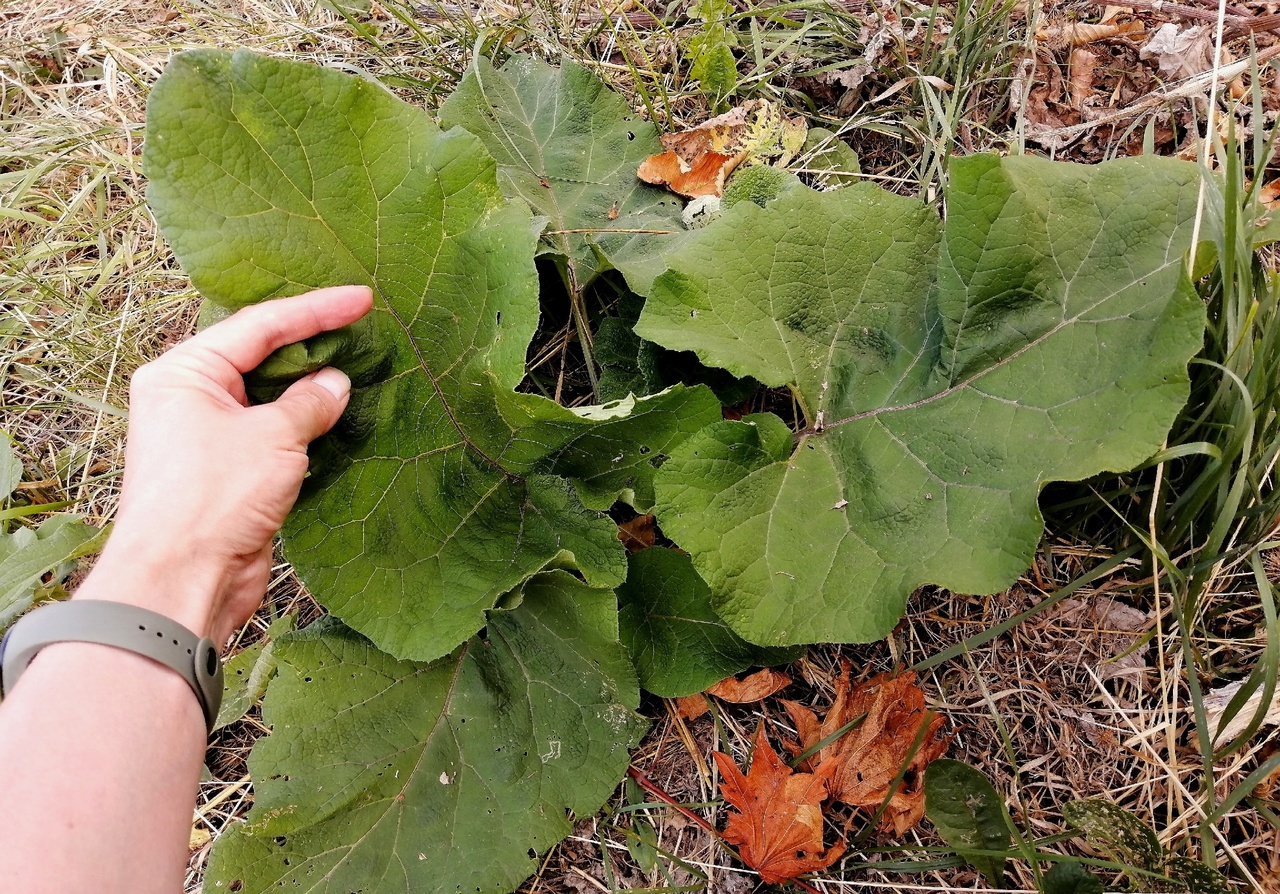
column 100, row 749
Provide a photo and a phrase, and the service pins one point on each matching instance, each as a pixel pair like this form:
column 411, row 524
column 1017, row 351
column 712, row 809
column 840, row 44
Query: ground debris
column 1107, row 632
column 1180, row 52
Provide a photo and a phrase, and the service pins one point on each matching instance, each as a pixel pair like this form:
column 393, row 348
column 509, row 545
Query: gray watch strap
column 124, row 626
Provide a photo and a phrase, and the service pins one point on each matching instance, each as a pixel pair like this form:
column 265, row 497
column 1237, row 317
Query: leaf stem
column 654, row 789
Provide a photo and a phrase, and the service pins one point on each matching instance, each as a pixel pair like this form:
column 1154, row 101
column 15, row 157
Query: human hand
column 209, row 479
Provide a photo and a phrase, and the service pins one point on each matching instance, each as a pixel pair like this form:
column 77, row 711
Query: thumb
column 312, row 405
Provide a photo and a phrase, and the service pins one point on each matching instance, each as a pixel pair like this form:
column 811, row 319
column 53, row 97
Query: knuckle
column 146, row 377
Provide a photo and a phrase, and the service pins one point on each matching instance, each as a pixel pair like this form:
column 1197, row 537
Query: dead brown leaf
column 1180, row 52
column 754, row 688
column 1215, row 708
column 1074, row 34
column 778, row 822
column 691, row 707
column 703, row 176
column 861, row 764
column 1080, row 82
column 1269, row 194
column 1106, row 636
column 637, row 534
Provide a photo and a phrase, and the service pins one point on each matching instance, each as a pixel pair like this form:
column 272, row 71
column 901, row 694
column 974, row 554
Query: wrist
column 185, row 588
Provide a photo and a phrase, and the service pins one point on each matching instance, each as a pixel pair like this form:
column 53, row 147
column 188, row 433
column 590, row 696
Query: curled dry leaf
column 753, row 688
column 1215, row 708
column 1269, row 194
column 1047, row 108
column 879, row 41
column 1080, row 83
column 860, row 765
column 1074, row 34
column 698, row 160
column 778, row 823
column 1102, row 633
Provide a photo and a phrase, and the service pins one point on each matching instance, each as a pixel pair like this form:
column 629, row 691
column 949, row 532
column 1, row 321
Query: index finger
column 245, row 338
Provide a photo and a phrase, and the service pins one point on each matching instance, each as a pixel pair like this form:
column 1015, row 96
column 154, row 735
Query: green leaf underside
column 945, row 377
column 393, row 776
column 247, row 674
column 969, row 814
column 569, row 147
column 829, row 159
column 436, row 493
column 28, row 554
column 677, row 642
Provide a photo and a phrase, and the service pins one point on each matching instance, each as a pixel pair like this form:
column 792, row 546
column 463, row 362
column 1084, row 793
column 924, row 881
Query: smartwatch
column 127, row 627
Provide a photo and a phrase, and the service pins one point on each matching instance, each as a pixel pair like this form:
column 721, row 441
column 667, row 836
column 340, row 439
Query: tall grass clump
column 1215, row 517
column 1203, row 514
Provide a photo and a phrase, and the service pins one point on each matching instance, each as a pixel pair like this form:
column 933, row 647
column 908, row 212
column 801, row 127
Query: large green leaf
column 1047, row 340
column 437, row 492
column 677, row 643
column 388, row 776
column 569, row 147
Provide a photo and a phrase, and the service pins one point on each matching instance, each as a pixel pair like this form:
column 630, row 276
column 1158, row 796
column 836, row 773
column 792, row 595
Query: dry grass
column 1052, row 712
column 88, row 292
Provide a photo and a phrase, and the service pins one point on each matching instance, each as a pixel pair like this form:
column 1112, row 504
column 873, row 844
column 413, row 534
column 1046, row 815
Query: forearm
column 100, row 748
column 100, row 753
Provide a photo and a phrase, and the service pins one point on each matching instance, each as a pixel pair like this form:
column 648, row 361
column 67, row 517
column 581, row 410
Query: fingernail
column 334, row 381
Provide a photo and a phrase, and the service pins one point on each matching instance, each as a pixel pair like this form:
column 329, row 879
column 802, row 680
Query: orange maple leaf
column 860, row 765
column 778, row 823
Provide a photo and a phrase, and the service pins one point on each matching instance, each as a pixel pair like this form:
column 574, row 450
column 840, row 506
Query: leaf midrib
column 372, row 274
column 997, row 365
column 422, row 751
